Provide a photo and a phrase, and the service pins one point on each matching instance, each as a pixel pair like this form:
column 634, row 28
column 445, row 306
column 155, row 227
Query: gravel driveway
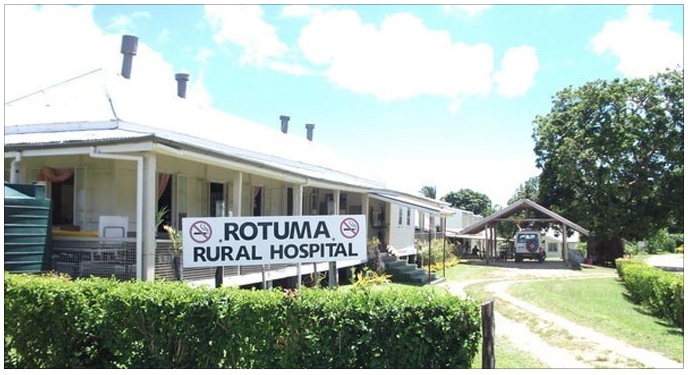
column 593, row 349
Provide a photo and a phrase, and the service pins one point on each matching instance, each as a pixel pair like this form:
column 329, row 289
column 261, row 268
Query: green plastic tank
column 27, row 228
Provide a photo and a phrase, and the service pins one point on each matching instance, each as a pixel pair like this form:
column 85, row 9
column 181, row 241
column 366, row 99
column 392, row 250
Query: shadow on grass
column 671, row 329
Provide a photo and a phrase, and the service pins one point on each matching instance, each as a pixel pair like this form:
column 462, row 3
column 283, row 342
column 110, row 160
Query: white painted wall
column 554, row 243
column 401, row 236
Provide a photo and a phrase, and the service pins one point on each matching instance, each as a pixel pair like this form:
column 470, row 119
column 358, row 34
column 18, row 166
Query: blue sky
column 441, row 95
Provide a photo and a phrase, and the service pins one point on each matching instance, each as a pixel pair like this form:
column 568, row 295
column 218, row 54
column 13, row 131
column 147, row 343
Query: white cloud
column 301, row 10
column 244, row 25
column 40, row 51
column 125, row 23
column 454, row 105
column 203, row 55
column 197, row 91
column 294, row 69
column 164, row 35
column 644, row 45
column 400, row 59
column 517, row 73
column 470, row 10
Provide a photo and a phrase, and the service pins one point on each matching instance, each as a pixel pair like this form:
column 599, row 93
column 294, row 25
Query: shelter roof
column 517, row 207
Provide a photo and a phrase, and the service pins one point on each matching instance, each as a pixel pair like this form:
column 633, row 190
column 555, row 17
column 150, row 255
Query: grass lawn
column 466, row 272
column 508, row 356
column 596, row 303
column 602, row 305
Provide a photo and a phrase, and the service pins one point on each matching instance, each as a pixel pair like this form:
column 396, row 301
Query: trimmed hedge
column 661, row 292
column 52, row 322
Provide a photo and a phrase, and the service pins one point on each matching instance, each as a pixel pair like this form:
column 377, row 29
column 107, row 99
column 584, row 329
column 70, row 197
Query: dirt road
column 586, row 348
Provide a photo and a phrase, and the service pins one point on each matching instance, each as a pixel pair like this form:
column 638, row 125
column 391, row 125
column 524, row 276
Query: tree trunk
column 605, row 250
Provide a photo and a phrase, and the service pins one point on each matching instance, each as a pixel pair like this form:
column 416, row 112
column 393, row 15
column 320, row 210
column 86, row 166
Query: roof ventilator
column 285, row 123
column 309, row 131
column 181, row 78
column 130, row 44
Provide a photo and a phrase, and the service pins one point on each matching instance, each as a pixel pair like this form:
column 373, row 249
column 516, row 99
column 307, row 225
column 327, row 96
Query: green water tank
column 27, row 228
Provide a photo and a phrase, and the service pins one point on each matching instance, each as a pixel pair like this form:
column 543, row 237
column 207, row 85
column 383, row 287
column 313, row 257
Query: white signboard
column 242, row 241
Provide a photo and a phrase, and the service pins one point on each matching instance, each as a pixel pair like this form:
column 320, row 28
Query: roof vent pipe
column 181, row 78
column 129, row 45
column 285, row 123
column 309, row 131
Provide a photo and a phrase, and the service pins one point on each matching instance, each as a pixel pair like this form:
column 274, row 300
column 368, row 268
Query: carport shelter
column 489, row 225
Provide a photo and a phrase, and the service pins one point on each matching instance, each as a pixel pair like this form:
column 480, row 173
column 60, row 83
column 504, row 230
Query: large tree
column 470, row 200
column 527, row 190
column 611, row 155
column 428, row 191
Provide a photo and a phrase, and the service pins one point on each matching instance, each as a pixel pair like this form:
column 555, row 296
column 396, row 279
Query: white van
column 529, row 245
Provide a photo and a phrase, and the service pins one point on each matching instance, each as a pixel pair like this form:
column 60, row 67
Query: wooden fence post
column 219, row 276
column 487, row 313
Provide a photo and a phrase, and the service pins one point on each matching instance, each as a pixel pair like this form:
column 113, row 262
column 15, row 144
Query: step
column 420, row 280
column 394, row 263
column 414, row 272
column 385, row 256
column 423, row 279
column 411, row 276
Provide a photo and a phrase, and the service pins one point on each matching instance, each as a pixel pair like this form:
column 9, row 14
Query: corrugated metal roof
column 421, row 204
column 48, row 138
column 132, row 111
column 81, row 99
column 517, row 207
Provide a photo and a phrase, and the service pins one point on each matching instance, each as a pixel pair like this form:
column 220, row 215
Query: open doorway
column 217, row 200
column 59, row 184
column 290, row 201
column 62, row 197
column 257, row 201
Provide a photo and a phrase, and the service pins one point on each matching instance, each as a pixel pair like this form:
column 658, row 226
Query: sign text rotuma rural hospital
column 242, row 241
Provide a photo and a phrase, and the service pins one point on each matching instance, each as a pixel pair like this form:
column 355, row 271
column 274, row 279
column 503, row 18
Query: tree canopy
column 428, row 191
column 467, row 199
column 611, row 155
column 528, row 190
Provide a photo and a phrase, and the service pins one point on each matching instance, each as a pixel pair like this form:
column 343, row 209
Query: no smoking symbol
column 349, row 228
column 200, row 231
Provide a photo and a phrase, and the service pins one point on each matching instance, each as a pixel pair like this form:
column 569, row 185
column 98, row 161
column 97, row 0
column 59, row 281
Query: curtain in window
column 54, row 174
column 256, row 191
column 163, row 180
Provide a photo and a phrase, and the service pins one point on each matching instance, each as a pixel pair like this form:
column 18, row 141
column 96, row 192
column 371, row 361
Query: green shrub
column 367, row 277
column 52, row 322
column 440, row 250
column 633, row 248
column 661, row 242
column 97, row 323
column 661, row 292
column 677, row 239
column 664, row 242
column 582, row 246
